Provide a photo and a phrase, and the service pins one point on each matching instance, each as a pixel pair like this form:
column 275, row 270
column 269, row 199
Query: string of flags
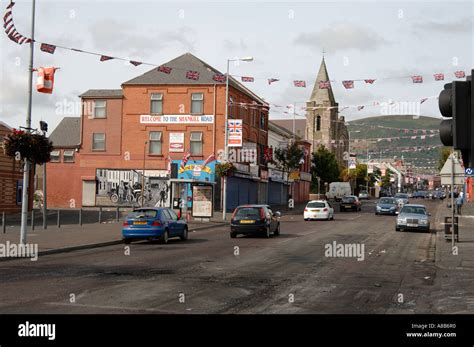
column 50, row 48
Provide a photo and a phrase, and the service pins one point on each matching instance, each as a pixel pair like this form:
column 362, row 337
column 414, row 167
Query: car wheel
column 277, row 230
column 164, row 238
column 184, row 237
column 127, row 241
column 233, row 235
column 397, row 229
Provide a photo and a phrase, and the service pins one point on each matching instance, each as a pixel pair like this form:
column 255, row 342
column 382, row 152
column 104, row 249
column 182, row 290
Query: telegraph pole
column 26, row 169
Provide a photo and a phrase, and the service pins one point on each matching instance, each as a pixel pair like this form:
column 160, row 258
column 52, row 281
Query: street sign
column 447, row 170
column 469, row 171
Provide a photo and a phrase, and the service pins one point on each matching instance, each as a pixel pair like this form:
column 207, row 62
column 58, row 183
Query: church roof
column 319, row 95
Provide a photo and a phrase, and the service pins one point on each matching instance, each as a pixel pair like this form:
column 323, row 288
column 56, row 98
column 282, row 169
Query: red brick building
column 11, row 179
column 129, row 136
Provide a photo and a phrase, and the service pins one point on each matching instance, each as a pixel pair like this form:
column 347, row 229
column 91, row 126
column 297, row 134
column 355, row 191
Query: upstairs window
column 197, row 103
column 98, row 142
column 56, row 156
column 155, row 142
column 100, row 109
column 68, row 156
column 156, row 103
column 318, row 123
column 196, row 143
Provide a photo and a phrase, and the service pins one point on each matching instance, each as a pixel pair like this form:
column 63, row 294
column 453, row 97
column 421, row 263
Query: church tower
column 324, row 126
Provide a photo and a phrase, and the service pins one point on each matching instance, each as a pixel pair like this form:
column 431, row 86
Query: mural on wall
column 124, row 188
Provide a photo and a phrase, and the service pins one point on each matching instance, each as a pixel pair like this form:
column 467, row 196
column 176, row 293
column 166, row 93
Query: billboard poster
column 202, row 201
column 352, row 162
column 176, row 142
column 234, row 133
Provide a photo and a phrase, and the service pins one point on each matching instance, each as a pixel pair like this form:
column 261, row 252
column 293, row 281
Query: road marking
column 110, row 307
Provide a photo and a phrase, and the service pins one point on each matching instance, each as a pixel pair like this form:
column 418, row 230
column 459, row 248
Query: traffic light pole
column 452, row 200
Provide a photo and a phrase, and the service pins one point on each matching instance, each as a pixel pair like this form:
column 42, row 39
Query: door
column 88, row 193
column 166, row 217
column 273, row 219
column 177, row 225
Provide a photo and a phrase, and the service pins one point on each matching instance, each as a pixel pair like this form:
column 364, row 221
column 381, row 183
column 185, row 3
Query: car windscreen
column 387, row 201
column 401, row 196
column 316, row 205
column 414, row 210
column 348, row 199
column 143, row 214
column 248, row 212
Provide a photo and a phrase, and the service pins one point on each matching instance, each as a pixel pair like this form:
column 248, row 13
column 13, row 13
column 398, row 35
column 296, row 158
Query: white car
column 318, row 209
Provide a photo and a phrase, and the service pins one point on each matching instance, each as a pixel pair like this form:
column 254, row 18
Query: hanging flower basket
column 225, row 169
column 22, row 145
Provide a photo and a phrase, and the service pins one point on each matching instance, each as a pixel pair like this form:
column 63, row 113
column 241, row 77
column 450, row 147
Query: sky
column 360, row 39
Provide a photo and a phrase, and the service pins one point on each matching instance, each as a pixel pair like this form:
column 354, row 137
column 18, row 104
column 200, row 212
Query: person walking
column 459, row 202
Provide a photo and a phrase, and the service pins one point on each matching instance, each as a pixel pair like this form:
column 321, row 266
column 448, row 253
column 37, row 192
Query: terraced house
column 131, row 142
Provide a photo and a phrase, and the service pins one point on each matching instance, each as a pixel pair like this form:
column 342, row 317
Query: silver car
column 414, row 217
column 402, row 199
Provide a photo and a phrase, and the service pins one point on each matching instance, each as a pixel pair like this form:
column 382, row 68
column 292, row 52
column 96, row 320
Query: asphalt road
column 285, row 274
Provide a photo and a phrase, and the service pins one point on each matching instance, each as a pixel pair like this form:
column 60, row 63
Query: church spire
column 320, row 95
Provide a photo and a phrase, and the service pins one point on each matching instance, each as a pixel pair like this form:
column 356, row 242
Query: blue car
column 386, row 206
column 153, row 223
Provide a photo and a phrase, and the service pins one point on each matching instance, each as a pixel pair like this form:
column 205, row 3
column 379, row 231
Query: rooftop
column 67, row 134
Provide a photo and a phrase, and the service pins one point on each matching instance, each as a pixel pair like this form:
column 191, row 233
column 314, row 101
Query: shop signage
column 174, row 119
column 176, row 142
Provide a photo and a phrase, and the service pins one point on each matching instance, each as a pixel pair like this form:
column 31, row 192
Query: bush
column 21, row 145
column 225, row 169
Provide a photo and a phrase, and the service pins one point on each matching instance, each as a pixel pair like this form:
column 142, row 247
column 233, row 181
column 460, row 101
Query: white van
column 337, row 190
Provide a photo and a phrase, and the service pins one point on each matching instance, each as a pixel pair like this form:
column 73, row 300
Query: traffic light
column 456, row 101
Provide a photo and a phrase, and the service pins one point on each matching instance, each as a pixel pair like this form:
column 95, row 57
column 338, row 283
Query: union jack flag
column 300, row 84
column 192, row 75
column 186, row 157
column 209, row 159
column 438, row 76
column 235, row 126
column 218, row 77
column 324, row 84
column 48, row 48
column 271, row 80
column 164, row 69
column 348, row 84
column 417, row 79
column 105, row 58
column 247, row 79
column 370, row 81
column 135, row 63
column 459, row 74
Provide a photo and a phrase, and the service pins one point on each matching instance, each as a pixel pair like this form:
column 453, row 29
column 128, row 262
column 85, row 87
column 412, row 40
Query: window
column 197, row 101
column 100, row 107
column 196, row 143
column 156, row 103
column 318, row 123
column 262, row 121
column 98, row 142
column 55, row 156
column 68, row 156
column 172, row 215
column 155, row 142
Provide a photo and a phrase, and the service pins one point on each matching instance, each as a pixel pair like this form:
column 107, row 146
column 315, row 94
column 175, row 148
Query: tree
column 325, row 166
column 359, row 175
column 288, row 158
column 374, row 177
column 386, row 179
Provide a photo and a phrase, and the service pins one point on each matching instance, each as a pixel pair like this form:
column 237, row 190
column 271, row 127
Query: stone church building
column 323, row 125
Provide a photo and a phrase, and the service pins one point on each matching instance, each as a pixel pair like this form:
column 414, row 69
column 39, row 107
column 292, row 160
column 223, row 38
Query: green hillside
column 400, row 130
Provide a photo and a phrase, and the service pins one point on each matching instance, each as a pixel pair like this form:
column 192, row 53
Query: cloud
column 234, row 45
column 460, row 26
column 112, row 37
column 343, row 36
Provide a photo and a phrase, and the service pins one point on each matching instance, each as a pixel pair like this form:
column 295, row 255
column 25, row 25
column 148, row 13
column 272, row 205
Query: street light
column 226, row 148
column 348, row 168
column 44, row 129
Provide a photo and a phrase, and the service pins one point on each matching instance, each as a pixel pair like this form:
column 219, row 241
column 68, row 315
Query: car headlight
column 423, row 221
column 401, row 220
column 378, row 207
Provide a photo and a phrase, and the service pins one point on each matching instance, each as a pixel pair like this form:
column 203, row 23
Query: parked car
column 384, row 193
column 337, row 190
column 386, row 206
column 363, row 195
column 350, row 202
column 401, row 198
column 421, row 194
column 414, row 217
column 318, row 209
column 153, row 223
column 254, row 219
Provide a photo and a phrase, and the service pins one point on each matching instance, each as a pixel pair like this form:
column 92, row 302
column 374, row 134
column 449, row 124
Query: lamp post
column 143, row 175
column 226, row 148
column 44, row 129
column 349, row 133
column 26, row 169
